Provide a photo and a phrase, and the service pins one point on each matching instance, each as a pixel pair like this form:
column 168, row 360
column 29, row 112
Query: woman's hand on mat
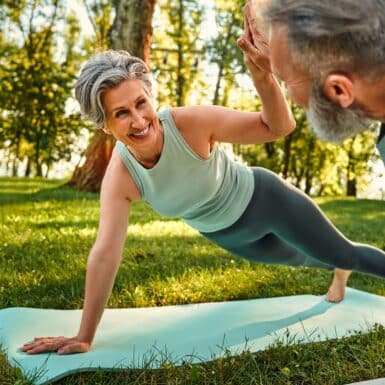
column 61, row 345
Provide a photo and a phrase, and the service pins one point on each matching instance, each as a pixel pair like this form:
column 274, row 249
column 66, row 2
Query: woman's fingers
column 62, row 345
column 45, row 338
column 251, row 52
column 253, row 43
column 43, row 345
column 252, row 28
column 250, row 10
column 247, row 32
column 257, row 63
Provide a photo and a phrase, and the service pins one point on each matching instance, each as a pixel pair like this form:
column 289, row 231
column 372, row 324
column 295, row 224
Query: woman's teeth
column 141, row 133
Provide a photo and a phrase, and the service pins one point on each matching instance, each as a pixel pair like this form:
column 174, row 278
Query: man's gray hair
column 337, row 35
column 102, row 72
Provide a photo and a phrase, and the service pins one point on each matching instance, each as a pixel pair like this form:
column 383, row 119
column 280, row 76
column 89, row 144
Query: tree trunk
column 132, row 27
column 131, row 31
column 309, row 167
column 89, row 176
column 221, row 63
column 179, row 76
column 15, row 166
column 351, row 180
column 351, row 188
column 37, row 158
column 28, row 168
column 287, row 156
column 269, row 148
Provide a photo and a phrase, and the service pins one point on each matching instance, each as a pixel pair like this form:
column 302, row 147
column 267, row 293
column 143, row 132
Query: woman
column 170, row 160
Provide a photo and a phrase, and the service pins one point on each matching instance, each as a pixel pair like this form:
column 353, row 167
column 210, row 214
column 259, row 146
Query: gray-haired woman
column 170, row 159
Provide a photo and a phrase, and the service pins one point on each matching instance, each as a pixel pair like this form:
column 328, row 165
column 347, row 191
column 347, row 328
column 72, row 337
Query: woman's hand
column 61, row 345
column 254, row 46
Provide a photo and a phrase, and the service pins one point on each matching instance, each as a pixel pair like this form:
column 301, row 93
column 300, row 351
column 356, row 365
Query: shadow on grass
column 65, row 224
column 62, row 193
column 20, row 190
column 364, row 209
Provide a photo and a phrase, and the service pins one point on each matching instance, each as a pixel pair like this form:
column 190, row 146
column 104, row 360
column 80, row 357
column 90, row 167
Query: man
column 331, row 56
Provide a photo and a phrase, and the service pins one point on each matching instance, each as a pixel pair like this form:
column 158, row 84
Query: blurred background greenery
column 190, row 47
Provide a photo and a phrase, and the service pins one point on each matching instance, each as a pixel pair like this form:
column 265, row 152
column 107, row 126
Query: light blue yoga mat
column 379, row 381
column 129, row 338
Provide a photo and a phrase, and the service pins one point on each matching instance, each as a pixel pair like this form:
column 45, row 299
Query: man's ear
column 339, row 89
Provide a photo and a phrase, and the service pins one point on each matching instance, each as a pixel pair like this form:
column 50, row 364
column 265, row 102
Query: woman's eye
column 141, row 102
column 120, row 113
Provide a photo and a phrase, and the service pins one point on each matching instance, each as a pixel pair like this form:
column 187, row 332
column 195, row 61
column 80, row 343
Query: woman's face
column 130, row 114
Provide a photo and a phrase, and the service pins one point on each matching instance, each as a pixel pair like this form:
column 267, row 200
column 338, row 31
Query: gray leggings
column 281, row 225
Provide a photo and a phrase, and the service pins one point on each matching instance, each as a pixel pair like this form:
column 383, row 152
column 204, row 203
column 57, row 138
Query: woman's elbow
column 287, row 129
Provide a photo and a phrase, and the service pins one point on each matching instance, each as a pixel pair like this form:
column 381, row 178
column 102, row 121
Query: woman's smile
column 141, row 134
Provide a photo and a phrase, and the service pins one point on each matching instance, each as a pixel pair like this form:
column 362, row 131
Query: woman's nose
column 138, row 121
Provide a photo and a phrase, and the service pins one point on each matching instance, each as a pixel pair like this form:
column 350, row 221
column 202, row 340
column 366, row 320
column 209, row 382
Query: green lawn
column 46, row 231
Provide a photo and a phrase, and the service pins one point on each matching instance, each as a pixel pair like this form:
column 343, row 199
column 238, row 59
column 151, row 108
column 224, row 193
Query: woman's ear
column 107, row 131
column 339, row 89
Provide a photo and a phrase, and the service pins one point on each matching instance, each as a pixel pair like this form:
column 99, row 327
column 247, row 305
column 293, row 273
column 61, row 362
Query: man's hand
column 61, row 345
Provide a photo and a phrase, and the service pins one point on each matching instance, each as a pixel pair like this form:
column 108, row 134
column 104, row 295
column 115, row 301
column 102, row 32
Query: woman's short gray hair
column 103, row 71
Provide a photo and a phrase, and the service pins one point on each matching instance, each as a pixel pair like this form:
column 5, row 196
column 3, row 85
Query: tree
column 223, row 50
column 358, row 152
column 177, row 50
column 36, row 85
column 132, row 27
column 131, row 31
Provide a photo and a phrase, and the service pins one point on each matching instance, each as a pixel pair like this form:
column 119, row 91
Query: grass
column 47, row 229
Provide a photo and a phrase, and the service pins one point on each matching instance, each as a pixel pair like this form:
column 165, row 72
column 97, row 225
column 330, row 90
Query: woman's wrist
column 86, row 338
column 265, row 80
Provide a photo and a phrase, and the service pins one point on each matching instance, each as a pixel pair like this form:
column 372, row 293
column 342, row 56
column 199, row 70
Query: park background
column 52, row 163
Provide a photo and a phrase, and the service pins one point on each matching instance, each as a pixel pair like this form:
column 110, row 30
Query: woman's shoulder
column 191, row 116
column 118, row 179
column 193, row 124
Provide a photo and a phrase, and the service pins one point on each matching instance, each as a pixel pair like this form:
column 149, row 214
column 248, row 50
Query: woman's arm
column 200, row 124
column 103, row 262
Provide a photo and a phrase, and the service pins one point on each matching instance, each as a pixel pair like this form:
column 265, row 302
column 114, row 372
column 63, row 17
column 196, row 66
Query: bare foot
column 336, row 292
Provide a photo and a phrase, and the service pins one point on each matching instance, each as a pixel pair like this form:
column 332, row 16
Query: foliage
column 37, row 81
column 318, row 168
column 100, row 14
column 176, row 50
column 223, row 50
column 193, row 63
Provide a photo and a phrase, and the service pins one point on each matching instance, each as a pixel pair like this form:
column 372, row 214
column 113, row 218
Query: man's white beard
column 332, row 123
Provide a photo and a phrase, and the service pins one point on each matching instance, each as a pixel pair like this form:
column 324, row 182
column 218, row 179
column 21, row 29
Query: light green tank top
column 208, row 194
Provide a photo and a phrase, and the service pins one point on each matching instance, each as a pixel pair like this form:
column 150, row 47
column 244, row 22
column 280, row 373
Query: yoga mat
column 379, row 381
column 148, row 337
